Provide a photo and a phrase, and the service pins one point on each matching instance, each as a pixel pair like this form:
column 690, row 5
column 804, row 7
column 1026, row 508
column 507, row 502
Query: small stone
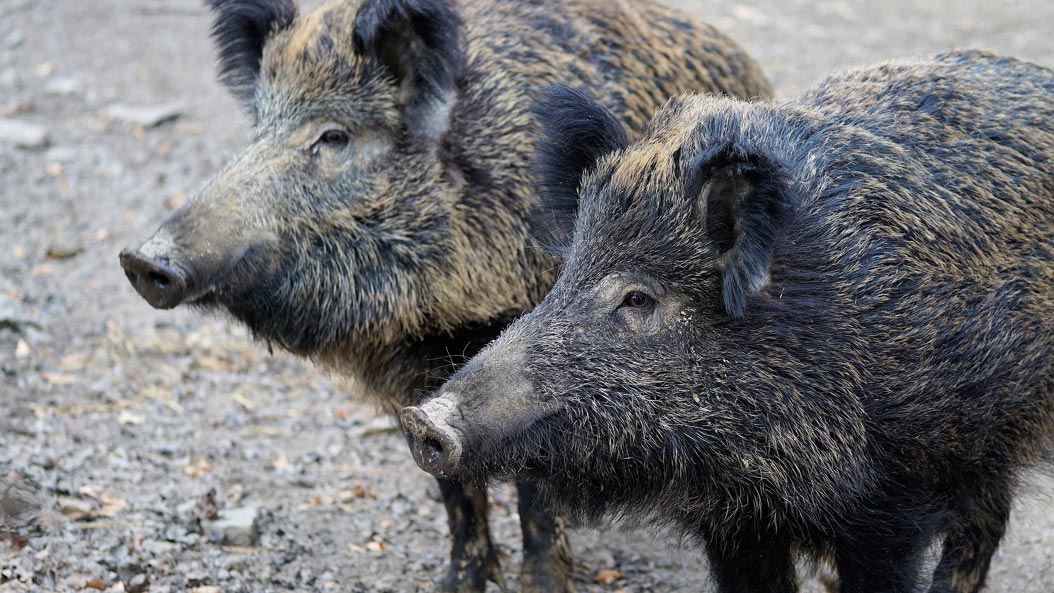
column 23, row 134
column 130, row 418
column 144, row 115
column 62, row 154
column 9, row 78
column 236, row 527
column 138, row 584
column 15, row 39
column 44, row 69
column 62, row 86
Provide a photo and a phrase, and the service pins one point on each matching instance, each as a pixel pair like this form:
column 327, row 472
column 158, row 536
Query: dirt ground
column 120, row 420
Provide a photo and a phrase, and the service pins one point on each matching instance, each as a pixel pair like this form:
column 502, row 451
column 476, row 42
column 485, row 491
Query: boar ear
column 745, row 200
column 240, row 29
column 575, row 131
column 419, row 42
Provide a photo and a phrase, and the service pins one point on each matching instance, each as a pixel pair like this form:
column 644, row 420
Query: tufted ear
column 575, row 131
column 745, row 200
column 240, row 29
column 419, row 42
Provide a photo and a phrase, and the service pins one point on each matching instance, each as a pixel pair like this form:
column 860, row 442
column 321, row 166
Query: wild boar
column 824, row 326
column 378, row 221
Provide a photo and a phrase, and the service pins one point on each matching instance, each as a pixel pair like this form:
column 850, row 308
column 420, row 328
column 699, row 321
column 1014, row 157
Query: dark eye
column 637, row 300
column 333, row 138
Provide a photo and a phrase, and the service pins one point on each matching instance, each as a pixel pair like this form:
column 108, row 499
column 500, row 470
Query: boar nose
column 159, row 282
column 435, row 446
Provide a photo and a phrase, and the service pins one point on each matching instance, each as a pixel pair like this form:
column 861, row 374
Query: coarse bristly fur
column 379, row 220
column 877, row 373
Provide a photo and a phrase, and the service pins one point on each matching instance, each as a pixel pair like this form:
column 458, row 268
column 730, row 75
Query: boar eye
column 333, row 139
column 637, row 300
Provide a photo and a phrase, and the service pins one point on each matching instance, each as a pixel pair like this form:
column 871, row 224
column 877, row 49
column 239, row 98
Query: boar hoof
column 546, row 577
column 472, row 577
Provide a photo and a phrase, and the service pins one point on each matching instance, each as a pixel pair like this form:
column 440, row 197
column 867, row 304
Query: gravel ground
column 136, row 429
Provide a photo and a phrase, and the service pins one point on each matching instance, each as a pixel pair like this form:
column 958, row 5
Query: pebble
column 9, row 78
column 14, row 315
column 62, row 86
column 137, row 584
column 235, row 527
column 144, row 115
column 62, row 154
column 15, row 39
column 23, row 134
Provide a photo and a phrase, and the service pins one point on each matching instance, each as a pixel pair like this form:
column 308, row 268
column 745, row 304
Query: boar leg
column 547, row 562
column 473, row 560
column 887, row 563
column 751, row 561
column 968, row 549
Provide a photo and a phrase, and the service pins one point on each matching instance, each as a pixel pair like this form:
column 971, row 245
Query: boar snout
column 435, row 445
column 200, row 251
column 159, row 280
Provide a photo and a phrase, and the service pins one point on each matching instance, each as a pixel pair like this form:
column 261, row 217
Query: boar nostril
column 432, row 450
column 159, row 281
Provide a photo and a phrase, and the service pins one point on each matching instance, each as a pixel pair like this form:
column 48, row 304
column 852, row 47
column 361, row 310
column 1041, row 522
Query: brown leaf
column 608, row 576
column 58, row 378
column 73, row 362
column 75, row 508
column 63, row 251
column 196, row 470
column 111, row 505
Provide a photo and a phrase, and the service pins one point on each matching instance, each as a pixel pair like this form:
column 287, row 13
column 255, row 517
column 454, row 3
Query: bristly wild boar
column 823, row 326
column 378, row 220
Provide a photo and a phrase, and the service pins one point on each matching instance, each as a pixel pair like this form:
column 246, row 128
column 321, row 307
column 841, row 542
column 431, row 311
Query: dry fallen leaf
column 58, row 378
column 242, row 401
column 608, row 576
column 357, row 490
column 95, row 583
column 340, row 413
column 74, row 508
column 73, row 362
column 111, row 505
column 235, row 493
column 281, row 463
column 376, row 546
column 196, row 470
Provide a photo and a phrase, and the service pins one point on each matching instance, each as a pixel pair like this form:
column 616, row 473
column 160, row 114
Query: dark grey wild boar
column 822, row 327
column 378, row 220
